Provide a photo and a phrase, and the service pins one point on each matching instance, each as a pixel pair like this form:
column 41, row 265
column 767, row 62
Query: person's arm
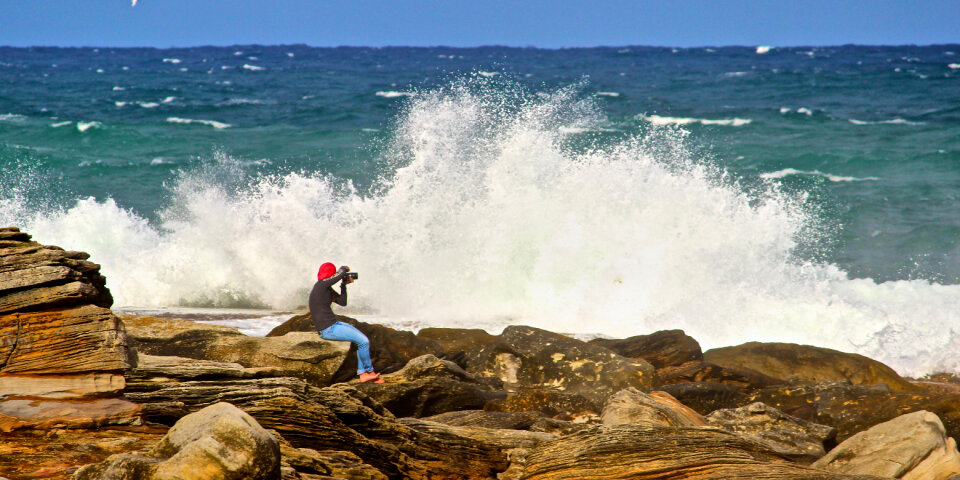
column 341, row 299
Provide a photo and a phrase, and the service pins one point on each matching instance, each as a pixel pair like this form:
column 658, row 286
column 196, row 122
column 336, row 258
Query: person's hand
column 347, row 280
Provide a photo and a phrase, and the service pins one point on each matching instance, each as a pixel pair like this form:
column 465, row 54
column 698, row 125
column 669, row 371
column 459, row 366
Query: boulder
column 454, row 340
column 662, row 349
column 40, row 277
column 530, row 357
column 219, row 442
column 705, row 397
column 805, row 363
column 696, row 371
column 643, row 452
column 911, row 446
column 390, row 349
column 792, row 437
column 297, row 354
column 63, row 354
column 854, row 408
column 428, row 386
column 549, row 401
column 633, row 407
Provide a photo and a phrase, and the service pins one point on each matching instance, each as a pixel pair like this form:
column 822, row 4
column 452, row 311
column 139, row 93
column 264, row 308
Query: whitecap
column 60, row 124
column 241, row 101
column 119, row 104
column 148, row 104
column 252, row 68
column 158, row 161
column 118, row 88
column 187, row 121
column 84, row 126
column 99, row 70
column 786, row 172
column 608, row 94
column 171, row 60
column 894, row 121
column 168, row 99
column 661, row 120
column 735, row 74
column 11, row 117
column 225, row 67
column 763, row 49
column 290, row 54
column 954, row 66
column 393, row 94
column 370, row 130
column 488, row 74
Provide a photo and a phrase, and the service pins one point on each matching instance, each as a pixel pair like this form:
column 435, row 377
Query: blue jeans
column 343, row 332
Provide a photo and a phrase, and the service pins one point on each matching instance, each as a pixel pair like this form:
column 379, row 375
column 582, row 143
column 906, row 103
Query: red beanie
column 326, row 271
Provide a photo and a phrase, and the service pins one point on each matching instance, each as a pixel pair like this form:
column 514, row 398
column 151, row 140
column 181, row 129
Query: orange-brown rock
column 697, row 371
column 805, row 363
column 661, row 349
column 454, row 340
column 63, row 353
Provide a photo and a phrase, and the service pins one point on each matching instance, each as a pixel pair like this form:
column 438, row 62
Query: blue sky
column 541, row 23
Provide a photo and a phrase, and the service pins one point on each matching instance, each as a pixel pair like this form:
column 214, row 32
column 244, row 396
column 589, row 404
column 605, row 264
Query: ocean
column 805, row 195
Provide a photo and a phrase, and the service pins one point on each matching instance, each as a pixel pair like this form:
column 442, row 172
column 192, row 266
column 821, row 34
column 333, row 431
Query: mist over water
column 493, row 208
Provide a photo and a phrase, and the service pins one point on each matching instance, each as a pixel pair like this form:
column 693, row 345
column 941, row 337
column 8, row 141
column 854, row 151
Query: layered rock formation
column 63, row 354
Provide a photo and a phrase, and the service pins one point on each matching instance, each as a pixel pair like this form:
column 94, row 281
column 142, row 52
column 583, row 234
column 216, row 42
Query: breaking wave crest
column 486, row 214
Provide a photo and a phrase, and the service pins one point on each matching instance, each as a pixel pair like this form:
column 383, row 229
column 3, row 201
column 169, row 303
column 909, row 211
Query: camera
column 352, row 275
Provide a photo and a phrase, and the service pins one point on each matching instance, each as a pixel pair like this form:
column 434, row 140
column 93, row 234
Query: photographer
column 327, row 324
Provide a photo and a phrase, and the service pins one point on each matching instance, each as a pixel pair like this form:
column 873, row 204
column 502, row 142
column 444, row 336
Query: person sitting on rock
column 327, row 324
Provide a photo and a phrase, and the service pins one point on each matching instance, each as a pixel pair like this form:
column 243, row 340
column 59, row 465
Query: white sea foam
column 801, row 111
column 253, row 68
column 488, row 74
column 60, row 124
column 84, row 126
column 11, row 117
column 729, row 122
column 148, row 104
column 187, row 121
column 486, row 217
column 241, row 101
column 119, row 104
column 118, row 88
column 172, row 60
column 168, row 100
column 954, row 66
column 394, row 94
column 763, row 49
column 608, row 94
column 894, row 121
column 786, row 172
column 736, row 74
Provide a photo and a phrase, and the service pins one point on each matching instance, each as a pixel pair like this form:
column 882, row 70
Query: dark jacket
column 323, row 295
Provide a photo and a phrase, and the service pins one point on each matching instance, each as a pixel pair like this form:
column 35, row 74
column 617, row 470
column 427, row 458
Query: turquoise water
column 802, row 194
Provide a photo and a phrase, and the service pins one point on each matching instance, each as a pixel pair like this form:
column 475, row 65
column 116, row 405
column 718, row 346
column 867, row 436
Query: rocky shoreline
column 87, row 394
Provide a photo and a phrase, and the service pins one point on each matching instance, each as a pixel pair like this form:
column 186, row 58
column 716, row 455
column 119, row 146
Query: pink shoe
column 373, row 377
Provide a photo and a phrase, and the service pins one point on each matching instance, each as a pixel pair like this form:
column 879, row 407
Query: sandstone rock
column 57, row 453
column 333, row 418
column 481, row 418
column 911, row 446
column 808, row 364
column 633, row 407
column 854, row 408
column 154, row 368
column 337, row 464
column 79, row 339
column 454, row 340
column 526, row 356
column 792, row 437
column 218, row 442
column 36, row 277
column 705, row 397
column 62, row 386
column 300, row 354
column 637, row 452
column 549, row 401
column 429, row 386
column 695, row 371
column 390, row 349
column 661, row 349
column 16, row 413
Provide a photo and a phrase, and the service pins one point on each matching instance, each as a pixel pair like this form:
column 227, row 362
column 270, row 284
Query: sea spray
column 489, row 211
